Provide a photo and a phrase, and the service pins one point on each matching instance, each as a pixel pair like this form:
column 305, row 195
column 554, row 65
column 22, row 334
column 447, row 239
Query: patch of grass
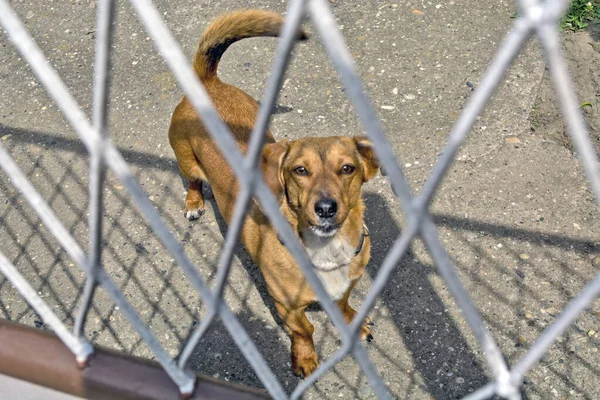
column 580, row 14
column 534, row 116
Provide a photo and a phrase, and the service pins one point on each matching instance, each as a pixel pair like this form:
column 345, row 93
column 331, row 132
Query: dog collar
column 364, row 233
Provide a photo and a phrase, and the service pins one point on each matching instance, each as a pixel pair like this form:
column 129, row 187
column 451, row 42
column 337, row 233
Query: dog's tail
column 230, row 28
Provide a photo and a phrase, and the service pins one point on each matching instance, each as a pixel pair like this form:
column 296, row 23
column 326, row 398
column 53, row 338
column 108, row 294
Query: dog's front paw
column 304, row 366
column 365, row 331
column 194, row 214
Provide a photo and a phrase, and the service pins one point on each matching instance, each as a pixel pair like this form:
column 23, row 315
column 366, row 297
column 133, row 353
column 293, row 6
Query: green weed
column 534, row 116
column 580, row 13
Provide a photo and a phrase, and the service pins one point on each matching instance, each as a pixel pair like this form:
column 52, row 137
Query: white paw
column 194, row 214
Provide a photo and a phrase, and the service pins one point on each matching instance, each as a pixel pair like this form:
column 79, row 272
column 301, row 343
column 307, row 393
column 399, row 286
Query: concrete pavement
column 516, row 215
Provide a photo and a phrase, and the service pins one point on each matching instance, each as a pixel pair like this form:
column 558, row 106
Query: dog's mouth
column 325, row 230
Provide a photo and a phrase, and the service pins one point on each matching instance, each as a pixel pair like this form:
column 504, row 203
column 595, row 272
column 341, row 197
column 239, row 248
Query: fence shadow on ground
column 157, row 288
column 417, row 298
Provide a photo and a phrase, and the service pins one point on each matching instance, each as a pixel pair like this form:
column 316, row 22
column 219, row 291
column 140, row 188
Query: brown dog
column 318, row 181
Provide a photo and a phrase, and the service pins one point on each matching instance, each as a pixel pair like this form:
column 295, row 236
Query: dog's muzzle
column 325, row 230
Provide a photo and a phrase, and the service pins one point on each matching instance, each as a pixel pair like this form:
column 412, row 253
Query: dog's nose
column 326, row 208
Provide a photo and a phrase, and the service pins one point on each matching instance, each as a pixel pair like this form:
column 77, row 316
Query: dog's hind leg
column 194, row 201
column 190, row 169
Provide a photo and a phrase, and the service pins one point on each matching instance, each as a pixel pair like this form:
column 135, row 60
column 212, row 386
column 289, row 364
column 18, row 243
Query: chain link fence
column 536, row 18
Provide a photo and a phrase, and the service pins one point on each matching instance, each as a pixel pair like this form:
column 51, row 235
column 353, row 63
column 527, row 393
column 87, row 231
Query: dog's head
column 320, row 178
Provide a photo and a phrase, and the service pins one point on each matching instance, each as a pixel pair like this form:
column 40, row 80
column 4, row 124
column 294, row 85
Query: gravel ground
column 515, row 212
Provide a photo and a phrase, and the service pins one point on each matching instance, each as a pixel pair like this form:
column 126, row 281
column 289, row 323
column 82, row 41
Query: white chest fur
column 331, row 257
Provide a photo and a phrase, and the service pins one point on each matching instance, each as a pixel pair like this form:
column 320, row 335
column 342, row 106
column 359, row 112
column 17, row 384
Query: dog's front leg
column 304, row 357
column 349, row 313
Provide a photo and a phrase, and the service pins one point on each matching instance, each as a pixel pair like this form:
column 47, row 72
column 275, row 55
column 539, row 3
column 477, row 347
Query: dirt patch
column 582, row 52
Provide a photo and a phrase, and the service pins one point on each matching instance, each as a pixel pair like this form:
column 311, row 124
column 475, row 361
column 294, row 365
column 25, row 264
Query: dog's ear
column 370, row 165
column 272, row 158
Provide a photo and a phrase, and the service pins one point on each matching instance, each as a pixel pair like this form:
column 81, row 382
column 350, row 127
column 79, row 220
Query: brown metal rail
column 39, row 357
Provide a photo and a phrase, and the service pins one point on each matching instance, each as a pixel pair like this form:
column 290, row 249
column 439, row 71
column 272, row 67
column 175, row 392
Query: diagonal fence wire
column 289, row 34
column 80, row 347
column 115, row 161
column 219, row 132
column 335, row 46
column 544, row 18
column 97, row 167
column 56, row 228
column 548, row 36
column 537, row 16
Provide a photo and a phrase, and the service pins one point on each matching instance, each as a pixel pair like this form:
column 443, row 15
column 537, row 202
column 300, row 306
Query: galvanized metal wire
column 536, row 18
column 97, row 168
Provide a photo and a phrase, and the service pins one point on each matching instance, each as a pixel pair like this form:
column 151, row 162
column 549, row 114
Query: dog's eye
column 348, row 169
column 300, row 171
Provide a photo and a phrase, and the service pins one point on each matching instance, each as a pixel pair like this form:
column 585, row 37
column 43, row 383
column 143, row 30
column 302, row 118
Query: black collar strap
column 365, row 232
